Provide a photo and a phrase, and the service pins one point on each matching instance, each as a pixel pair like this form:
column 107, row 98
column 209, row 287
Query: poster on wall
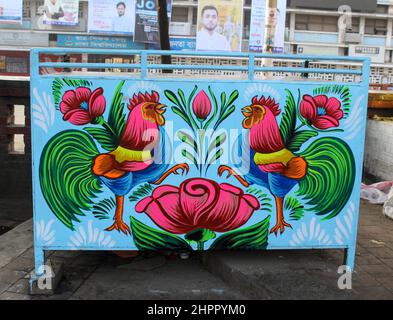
column 111, row 16
column 61, row 12
column 11, row 11
column 257, row 25
column 146, row 21
column 220, row 24
column 267, row 26
column 275, row 25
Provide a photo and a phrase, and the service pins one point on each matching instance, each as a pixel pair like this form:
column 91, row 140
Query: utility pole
column 163, row 25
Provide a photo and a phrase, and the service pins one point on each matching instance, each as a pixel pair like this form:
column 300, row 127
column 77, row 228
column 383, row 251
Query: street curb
column 234, row 278
column 15, row 242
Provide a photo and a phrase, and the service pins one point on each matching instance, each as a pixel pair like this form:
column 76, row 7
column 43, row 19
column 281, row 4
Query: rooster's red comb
column 269, row 103
column 137, row 99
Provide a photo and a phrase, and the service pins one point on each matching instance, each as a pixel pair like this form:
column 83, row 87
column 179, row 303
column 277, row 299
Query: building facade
column 309, row 29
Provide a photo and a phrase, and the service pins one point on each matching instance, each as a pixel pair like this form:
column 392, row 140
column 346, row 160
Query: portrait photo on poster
column 61, row 12
column 112, row 16
column 220, row 24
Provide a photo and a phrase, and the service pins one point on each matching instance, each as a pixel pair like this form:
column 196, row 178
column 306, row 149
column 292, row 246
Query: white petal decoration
column 87, row 237
column 310, row 233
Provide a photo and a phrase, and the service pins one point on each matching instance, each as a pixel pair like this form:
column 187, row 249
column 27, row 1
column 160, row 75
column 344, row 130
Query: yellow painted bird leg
column 281, row 223
column 119, row 224
column 182, row 166
column 222, row 169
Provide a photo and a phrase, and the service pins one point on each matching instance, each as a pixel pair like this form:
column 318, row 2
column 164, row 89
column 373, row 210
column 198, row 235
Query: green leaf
column 191, row 96
column 227, row 113
column 223, row 98
column 299, row 138
column 264, row 199
column 172, row 97
column 116, row 118
column 294, row 207
column 234, row 95
column 218, row 141
column 186, row 138
column 182, row 97
column 253, row 237
column 181, row 114
column 189, row 156
column 104, row 138
column 141, row 192
column 216, row 156
column 103, row 208
column 288, row 121
column 148, row 238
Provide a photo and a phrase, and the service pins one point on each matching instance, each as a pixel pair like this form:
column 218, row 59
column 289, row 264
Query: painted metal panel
column 123, row 162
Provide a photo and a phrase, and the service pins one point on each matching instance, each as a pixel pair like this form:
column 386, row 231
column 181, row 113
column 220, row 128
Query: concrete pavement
column 284, row 274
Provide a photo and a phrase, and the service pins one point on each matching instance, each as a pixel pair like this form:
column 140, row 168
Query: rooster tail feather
column 66, row 178
column 330, row 176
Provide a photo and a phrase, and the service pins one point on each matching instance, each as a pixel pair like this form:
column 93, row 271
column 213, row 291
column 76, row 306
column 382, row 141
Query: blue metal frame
column 40, row 82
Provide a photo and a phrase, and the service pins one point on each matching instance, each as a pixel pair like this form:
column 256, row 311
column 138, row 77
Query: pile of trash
column 380, row 193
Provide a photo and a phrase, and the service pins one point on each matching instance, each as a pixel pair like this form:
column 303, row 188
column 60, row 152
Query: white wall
column 378, row 159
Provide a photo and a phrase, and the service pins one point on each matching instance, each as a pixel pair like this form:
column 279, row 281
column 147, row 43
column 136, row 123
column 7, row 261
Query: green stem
column 302, row 125
column 200, row 245
column 201, row 136
column 215, row 109
column 107, row 127
column 324, row 131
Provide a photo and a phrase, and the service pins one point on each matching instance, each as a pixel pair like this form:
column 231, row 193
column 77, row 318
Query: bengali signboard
column 182, row 44
column 61, row 12
column 11, row 11
column 111, row 16
column 219, row 25
column 99, row 42
column 27, row 39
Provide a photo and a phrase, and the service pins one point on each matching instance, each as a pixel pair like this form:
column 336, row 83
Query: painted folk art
column 131, row 164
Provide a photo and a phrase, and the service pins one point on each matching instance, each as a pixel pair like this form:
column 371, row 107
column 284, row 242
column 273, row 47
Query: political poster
column 257, row 26
column 11, row 11
column 267, row 26
column 111, row 16
column 146, row 21
column 220, row 24
column 61, row 12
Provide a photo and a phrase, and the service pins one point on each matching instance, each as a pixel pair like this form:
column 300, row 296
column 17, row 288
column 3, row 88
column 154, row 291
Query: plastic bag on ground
column 376, row 193
column 388, row 205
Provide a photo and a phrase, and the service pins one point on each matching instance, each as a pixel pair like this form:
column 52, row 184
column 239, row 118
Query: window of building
column 26, row 9
column 16, row 115
column 315, row 23
column 375, row 27
column 16, row 144
column 179, row 14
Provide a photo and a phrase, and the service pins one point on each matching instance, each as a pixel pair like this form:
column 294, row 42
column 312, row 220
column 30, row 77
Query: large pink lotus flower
column 82, row 106
column 321, row 111
column 201, row 106
column 198, row 203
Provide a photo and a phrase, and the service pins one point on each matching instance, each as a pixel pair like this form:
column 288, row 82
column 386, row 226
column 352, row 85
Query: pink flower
column 201, row 106
column 321, row 111
column 198, row 203
column 82, row 106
